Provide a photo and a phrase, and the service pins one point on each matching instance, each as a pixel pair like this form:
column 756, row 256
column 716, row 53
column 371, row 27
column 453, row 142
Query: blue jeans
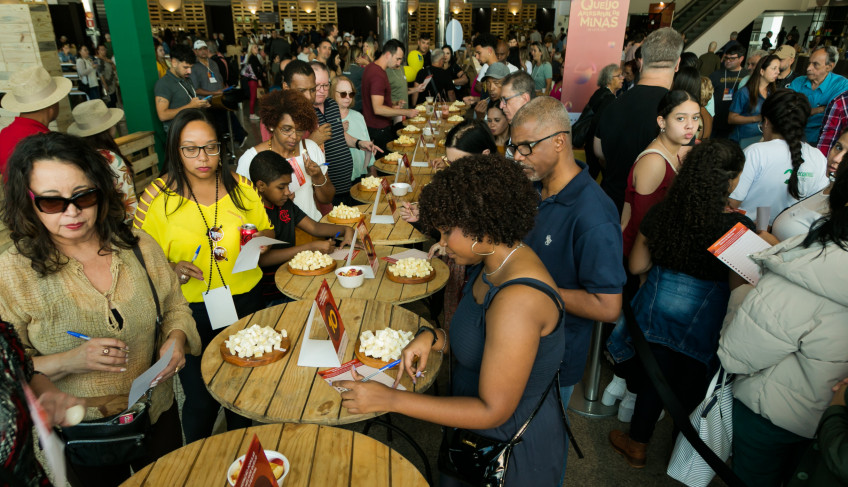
column 565, row 394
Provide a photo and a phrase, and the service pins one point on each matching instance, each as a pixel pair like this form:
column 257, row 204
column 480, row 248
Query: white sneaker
column 253, row 116
column 625, row 409
column 614, row 391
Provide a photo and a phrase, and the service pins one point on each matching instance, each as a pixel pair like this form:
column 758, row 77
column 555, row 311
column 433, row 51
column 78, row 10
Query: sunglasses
column 59, row 204
column 345, row 94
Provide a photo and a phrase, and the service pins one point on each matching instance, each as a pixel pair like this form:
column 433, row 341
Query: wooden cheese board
column 411, row 280
column 314, row 272
column 264, row 359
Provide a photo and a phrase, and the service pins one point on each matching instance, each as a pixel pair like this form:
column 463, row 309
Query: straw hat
column 92, row 117
column 33, row 89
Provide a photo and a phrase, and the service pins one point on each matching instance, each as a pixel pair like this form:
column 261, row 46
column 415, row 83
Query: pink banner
column 595, row 38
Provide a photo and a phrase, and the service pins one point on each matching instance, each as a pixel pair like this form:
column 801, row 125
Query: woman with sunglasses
column 341, row 90
column 73, row 269
column 290, row 115
column 200, row 204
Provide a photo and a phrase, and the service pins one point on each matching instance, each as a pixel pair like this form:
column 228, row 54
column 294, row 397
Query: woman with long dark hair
column 745, row 111
column 787, row 344
column 783, row 168
column 681, row 305
column 73, row 268
column 200, row 203
column 460, row 80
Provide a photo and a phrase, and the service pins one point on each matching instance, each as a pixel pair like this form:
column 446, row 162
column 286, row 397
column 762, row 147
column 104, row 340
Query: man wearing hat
column 35, row 95
column 493, row 80
column 174, row 91
column 787, row 59
column 207, row 80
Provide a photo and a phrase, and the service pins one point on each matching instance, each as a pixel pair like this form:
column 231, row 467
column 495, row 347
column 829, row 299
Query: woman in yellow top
column 73, row 269
column 161, row 63
column 199, row 202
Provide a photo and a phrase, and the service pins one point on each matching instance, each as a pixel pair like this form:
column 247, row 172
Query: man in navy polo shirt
column 577, row 233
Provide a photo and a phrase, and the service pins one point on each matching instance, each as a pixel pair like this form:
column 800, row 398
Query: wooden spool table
column 380, row 288
column 421, row 180
column 319, row 456
column 283, row 392
column 401, row 233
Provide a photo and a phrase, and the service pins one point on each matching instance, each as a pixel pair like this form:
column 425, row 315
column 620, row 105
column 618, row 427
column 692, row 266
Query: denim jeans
column 677, row 311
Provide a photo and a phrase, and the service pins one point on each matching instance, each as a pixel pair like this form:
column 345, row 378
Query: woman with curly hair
column 510, row 314
column 783, row 168
column 74, row 267
column 681, row 306
column 745, row 111
column 289, row 115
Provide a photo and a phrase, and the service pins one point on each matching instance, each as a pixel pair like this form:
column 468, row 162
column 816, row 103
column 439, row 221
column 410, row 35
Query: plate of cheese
column 311, row 263
column 411, row 271
column 381, row 347
column 255, row 346
column 344, row 214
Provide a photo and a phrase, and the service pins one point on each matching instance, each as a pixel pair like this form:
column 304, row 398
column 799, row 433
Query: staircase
column 699, row 15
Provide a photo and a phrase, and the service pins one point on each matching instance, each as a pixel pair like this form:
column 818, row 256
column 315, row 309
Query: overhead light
column 170, row 5
column 252, row 5
column 456, row 6
column 513, row 6
column 411, row 6
column 308, row 6
column 494, row 9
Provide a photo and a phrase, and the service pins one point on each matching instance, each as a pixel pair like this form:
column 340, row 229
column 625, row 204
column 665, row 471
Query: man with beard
column 577, row 233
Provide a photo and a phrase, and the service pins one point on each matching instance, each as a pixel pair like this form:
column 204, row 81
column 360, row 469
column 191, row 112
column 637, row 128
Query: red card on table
column 368, row 244
column 256, row 470
column 390, row 197
column 408, row 165
column 332, row 319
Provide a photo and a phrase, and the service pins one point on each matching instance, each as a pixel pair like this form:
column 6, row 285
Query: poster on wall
column 595, row 39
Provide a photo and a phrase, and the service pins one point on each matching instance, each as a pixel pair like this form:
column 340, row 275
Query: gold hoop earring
column 478, row 253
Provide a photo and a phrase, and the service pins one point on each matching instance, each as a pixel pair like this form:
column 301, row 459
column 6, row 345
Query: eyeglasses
column 345, row 94
column 192, row 151
column 289, row 131
column 59, row 204
column 323, row 87
column 306, row 90
column 731, row 58
column 525, row 149
column 505, row 99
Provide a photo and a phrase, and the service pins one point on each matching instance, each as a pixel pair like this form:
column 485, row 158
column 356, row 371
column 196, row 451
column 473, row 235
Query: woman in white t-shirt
column 798, row 218
column 291, row 116
column 782, row 169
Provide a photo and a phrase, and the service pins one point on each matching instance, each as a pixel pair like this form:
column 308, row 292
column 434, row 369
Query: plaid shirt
column 835, row 121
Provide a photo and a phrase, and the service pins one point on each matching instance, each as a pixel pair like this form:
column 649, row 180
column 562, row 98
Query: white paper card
column 420, row 164
column 365, row 371
column 142, row 383
column 248, row 258
column 316, row 353
column 51, row 445
column 735, row 248
column 382, row 219
column 341, row 254
column 350, row 254
column 220, row 307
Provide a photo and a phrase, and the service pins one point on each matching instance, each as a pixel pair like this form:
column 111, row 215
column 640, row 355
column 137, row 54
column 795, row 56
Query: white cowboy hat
column 92, row 117
column 33, row 89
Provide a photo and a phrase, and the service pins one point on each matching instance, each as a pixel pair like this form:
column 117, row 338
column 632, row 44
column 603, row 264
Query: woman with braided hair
column 783, row 168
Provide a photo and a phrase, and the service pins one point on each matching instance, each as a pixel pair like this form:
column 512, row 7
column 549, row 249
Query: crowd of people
column 686, row 147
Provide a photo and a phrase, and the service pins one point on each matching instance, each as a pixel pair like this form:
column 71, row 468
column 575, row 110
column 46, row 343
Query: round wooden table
column 401, row 233
column 380, row 288
column 319, row 455
column 283, row 392
column 421, row 180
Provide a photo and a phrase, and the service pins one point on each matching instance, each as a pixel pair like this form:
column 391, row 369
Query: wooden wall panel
column 190, row 16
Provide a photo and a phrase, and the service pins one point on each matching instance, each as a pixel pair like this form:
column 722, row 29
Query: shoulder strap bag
column 482, row 461
column 121, row 438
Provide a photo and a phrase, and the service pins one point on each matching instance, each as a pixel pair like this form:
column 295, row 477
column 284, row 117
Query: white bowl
column 269, row 454
column 429, row 99
column 400, row 189
column 350, row 282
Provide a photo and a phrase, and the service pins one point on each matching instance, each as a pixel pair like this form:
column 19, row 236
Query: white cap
column 198, row 44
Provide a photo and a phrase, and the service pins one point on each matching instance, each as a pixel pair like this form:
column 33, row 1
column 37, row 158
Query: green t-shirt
column 540, row 74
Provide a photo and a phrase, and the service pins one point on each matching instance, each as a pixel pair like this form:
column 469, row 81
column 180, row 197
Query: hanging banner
column 595, row 39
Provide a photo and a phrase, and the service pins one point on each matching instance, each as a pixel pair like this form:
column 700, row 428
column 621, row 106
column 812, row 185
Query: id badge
column 212, row 78
column 728, row 95
column 220, row 307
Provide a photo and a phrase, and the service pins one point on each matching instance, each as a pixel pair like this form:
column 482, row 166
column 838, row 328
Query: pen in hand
column 383, row 368
column 196, row 253
column 78, row 335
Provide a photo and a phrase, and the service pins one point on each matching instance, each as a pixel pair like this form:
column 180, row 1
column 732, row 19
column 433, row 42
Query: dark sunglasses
column 345, row 94
column 58, row 204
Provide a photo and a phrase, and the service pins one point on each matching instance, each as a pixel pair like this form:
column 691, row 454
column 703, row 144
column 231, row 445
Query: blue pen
column 196, row 253
column 78, row 335
column 383, row 368
column 336, row 235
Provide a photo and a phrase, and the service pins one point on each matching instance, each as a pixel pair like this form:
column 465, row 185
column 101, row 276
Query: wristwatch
column 357, row 143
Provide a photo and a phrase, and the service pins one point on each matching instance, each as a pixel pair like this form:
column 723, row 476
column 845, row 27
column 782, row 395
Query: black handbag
column 121, row 438
column 478, row 460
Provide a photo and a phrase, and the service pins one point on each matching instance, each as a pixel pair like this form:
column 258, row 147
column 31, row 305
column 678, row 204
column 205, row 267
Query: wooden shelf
column 244, row 19
column 326, row 12
column 190, row 16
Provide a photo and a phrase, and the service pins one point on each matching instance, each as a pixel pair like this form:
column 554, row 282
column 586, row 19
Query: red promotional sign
column 408, row 165
column 387, row 190
column 362, row 230
column 332, row 319
column 89, row 20
column 256, row 470
column 595, row 39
